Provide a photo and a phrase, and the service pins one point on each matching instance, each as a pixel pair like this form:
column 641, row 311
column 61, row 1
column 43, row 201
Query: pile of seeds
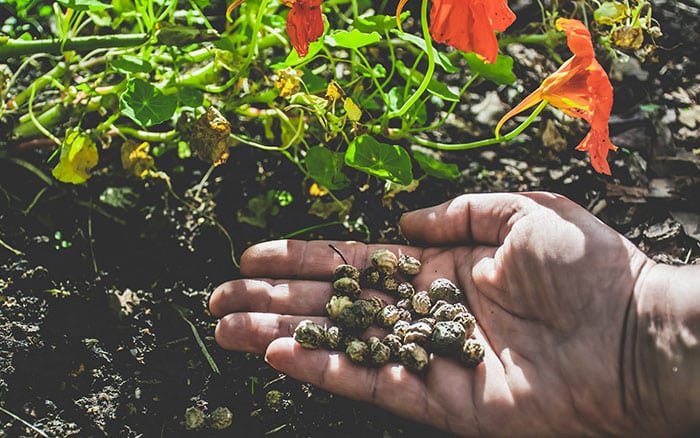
column 421, row 322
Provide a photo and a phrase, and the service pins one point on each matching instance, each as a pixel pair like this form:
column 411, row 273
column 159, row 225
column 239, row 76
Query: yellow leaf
column 78, row 157
column 353, row 111
column 333, row 92
column 135, row 158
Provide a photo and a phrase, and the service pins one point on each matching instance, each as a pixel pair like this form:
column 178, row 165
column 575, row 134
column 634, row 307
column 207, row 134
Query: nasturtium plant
column 353, row 39
column 500, row 72
column 390, row 162
column 145, row 104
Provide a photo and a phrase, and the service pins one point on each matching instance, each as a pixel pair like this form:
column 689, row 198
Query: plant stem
column 431, row 65
column 478, row 143
column 11, row 47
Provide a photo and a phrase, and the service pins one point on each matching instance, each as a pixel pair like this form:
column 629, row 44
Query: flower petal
column 304, row 24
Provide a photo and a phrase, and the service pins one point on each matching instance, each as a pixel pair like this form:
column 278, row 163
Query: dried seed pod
column 389, row 284
column 413, row 357
column 220, row 418
column 347, row 286
column 421, row 303
column 447, row 337
column 309, row 334
column 444, row 289
column 400, row 328
column 394, row 343
column 379, row 353
column 409, row 265
column 405, row 290
column 336, row 305
column 370, row 277
column 357, row 350
column 377, row 302
column 346, row 271
column 334, row 337
column 443, row 311
column 358, row 316
column 405, row 315
column 385, row 261
column 404, row 303
column 471, row 353
column 418, row 332
column 467, row 320
column 388, row 316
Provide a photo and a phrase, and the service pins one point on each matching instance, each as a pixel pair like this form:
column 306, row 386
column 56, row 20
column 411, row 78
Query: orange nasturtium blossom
column 304, row 22
column 580, row 88
column 468, row 25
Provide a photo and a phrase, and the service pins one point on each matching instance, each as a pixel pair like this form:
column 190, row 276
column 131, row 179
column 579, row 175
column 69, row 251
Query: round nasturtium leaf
column 145, row 104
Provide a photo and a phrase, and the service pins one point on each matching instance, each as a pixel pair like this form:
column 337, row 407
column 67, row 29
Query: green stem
column 449, row 111
column 480, row 143
column 148, row 135
column 40, row 83
column 11, row 47
column 431, row 65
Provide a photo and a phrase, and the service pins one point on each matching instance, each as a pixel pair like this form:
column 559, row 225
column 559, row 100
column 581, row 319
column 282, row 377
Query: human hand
column 549, row 284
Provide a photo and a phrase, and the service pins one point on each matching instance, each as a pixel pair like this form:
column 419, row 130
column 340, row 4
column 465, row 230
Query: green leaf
column 78, row 156
column 377, row 23
column 440, row 58
column 500, row 72
column 383, row 160
column 131, row 64
column 435, row 87
column 433, row 166
column 145, row 104
column 293, row 58
column 190, row 96
column 325, row 167
column 84, row 5
column 353, row 39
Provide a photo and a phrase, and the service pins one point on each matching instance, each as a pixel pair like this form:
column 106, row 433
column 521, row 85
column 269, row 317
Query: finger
column 311, row 260
column 253, row 332
column 294, row 297
column 475, row 218
column 298, row 297
column 391, row 386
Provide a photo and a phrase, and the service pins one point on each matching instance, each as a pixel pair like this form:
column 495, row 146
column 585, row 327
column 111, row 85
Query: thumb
column 468, row 219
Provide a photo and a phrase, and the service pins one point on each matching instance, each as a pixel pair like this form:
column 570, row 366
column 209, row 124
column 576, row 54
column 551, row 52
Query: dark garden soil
column 104, row 328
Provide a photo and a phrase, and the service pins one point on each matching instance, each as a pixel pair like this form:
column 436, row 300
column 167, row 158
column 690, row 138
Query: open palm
column 549, row 284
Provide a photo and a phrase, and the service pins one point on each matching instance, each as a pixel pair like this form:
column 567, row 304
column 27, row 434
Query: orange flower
column 580, row 88
column 468, row 25
column 304, row 22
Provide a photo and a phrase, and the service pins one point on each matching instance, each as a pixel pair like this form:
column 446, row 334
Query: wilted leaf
column 145, row 104
column 209, row 140
column 135, row 158
column 78, row 157
column 288, row 81
column 352, row 110
column 383, row 160
column 628, row 37
column 119, row 197
column 326, row 209
column 610, row 13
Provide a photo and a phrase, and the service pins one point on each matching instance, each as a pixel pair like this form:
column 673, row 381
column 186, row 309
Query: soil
column 104, row 286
